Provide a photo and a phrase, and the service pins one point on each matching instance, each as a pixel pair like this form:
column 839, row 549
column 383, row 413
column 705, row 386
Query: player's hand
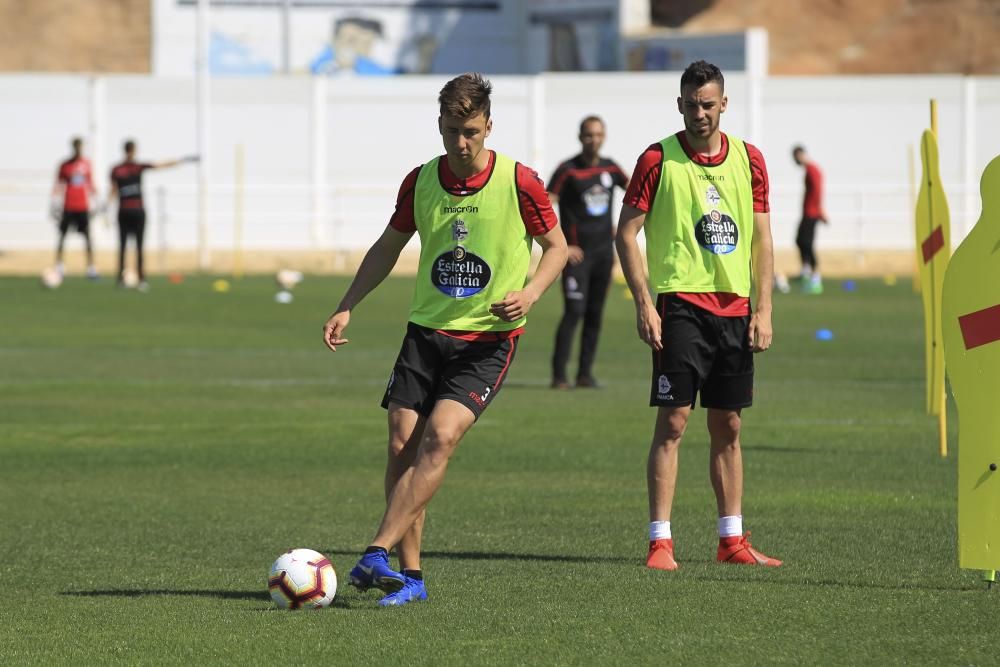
column 575, row 254
column 760, row 331
column 514, row 306
column 333, row 330
column 647, row 321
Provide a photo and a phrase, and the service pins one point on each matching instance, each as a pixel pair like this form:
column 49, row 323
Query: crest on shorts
column 663, row 385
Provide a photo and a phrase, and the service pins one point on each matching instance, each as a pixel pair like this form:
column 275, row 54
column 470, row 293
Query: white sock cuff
column 730, row 526
column 659, row 530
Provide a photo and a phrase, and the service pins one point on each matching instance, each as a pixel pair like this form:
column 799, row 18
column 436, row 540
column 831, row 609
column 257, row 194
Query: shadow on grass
column 782, row 450
column 835, row 583
column 499, row 555
column 143, row 592
column 340, row 602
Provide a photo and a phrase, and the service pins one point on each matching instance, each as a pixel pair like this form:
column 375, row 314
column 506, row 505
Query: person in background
column 126, row 184
column 582, row 186
column 812, row 214
column 71, row 198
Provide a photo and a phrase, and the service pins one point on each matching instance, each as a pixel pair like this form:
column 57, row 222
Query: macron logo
column 460, row 209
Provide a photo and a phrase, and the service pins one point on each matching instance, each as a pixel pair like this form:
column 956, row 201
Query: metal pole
column 286, row 36
column 202, row 122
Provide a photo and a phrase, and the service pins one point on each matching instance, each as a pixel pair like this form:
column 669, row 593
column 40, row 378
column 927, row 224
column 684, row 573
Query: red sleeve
column 645, row 179
column 402, row 219
column 536, row 209
column 758, row 180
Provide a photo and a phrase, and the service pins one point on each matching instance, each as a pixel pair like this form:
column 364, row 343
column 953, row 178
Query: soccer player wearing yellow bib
column 702, row 198
column 476, row 213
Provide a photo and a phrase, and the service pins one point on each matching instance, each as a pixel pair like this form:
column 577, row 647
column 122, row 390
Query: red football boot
column 661, row 555
column 737, row 549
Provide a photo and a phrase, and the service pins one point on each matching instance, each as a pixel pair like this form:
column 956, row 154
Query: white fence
column 324, row 157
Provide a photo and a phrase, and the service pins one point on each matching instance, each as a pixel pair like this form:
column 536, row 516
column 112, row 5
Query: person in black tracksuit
column 582, row 187
column 126, row 183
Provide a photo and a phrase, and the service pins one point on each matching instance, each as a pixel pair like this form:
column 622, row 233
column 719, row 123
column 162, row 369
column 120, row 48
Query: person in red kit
column 71, row 195
column 701, row 196
column 812, row 214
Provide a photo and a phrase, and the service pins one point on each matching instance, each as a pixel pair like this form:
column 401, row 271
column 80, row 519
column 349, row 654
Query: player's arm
column 647, row 320
column 376, row 265
column 173, row 163
column 57, row 195
column 762, row 259
column 516, row 305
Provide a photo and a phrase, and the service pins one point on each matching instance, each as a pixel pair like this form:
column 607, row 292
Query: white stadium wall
column 323, row 156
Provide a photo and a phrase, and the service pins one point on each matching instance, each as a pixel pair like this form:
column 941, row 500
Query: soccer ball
column 130, row 279
column 287, row 279
column 52, row 278
column 302, row 578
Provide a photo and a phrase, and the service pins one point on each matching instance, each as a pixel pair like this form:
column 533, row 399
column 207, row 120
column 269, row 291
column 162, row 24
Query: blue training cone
column 824, row 334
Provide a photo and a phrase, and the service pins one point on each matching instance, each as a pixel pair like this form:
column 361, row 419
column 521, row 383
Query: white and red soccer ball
column 302, row 579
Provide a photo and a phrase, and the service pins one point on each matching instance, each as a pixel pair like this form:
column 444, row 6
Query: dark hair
column 590, row 119
column 129, row 146
column 798, row 148
column 76, row 143
column 371, row 25
column 699, row 73
column 465, row 96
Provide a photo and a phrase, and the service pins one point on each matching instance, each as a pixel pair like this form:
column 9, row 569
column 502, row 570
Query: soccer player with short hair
column 126, row 182
column 476, row 213
column 702, row 197
column 74, row 186
column 582, row 187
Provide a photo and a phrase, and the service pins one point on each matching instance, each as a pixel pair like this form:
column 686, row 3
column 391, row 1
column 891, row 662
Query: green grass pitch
column 158, row 451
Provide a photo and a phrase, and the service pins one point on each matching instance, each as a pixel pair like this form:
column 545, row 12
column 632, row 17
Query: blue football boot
column 412, row 591
column 373, row 570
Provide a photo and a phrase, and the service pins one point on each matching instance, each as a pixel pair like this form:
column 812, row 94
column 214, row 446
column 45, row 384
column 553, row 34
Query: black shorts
column 131, row 220
column 80, row 220
column 432, row 366
column 702, row 352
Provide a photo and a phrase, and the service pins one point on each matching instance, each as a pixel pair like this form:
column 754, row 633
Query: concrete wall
column 323, row 158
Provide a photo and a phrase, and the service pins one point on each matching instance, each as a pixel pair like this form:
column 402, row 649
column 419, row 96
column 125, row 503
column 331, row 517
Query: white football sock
column 659, row 530
column 730, row 526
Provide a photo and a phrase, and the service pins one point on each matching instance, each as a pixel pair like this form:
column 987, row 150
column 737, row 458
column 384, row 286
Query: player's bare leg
column 661, row 480
column 726, row 471
column 726, row 460
column 444, row 429
column 406, row 429
column 59, row 249
column 661, row 468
